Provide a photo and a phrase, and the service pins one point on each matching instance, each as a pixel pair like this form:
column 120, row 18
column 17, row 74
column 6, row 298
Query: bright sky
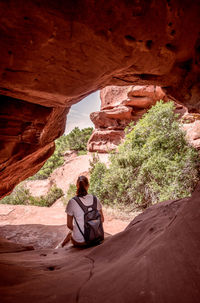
column 79, row 114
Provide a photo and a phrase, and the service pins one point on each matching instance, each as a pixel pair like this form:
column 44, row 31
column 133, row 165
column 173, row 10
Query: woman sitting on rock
column 84, row 217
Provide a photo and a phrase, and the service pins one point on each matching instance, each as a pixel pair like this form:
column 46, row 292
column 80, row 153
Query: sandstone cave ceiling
column 55, row 53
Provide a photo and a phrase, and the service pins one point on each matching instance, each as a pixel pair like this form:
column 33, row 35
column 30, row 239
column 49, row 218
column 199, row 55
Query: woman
column 75, row 214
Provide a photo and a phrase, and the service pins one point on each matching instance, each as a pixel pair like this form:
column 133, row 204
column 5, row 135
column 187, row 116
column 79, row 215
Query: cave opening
column 52, row 55
column 113, row 108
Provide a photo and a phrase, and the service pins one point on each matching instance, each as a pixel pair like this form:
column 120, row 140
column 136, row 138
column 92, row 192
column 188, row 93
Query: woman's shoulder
column 85, row 199
column 72, row 201
column 91, row 197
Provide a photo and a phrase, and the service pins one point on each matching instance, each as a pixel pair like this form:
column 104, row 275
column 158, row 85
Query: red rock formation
column 56, row 53
column 156, row 259
column 137, row 96
column 120, row 106
column 104, row 141
column 27, row 132
column 53, row 54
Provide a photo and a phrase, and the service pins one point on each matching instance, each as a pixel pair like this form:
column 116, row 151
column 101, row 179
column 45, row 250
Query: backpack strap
column 83, row 206
column 94, row 205
column 80, row 203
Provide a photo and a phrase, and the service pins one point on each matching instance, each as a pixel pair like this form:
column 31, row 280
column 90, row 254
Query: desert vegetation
column 21, row 196
column 76, row 140
column 153, row 164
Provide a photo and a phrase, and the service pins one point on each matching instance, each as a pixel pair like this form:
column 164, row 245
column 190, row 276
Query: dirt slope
column 73, row 167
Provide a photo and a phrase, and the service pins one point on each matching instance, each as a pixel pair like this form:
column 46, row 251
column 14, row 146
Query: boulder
column 37, row 236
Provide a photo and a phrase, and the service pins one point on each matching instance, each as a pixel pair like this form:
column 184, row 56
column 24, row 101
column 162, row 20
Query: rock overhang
column 54, row 54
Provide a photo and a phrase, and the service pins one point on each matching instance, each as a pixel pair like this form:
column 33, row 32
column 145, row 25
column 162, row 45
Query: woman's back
column 74, row 210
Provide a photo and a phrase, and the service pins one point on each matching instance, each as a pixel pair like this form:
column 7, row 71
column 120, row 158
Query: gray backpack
column 93, row 228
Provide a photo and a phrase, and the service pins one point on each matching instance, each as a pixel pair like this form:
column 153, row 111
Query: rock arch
column 54, row 54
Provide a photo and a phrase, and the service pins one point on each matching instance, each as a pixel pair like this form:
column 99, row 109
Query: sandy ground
column 55, row 215
column 45, row 227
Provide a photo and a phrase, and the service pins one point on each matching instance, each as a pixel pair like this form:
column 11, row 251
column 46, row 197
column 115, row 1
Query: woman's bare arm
column 70, row 222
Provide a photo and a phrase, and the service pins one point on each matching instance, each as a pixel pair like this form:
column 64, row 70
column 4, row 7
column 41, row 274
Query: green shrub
column 22, row 196
column 93, row 162
column 154, row 163
column 96, row 180
column 82, row 152
column 19, row 196
column 53, row 162
column 50, row 165
column 71, row 192
column 76, row 140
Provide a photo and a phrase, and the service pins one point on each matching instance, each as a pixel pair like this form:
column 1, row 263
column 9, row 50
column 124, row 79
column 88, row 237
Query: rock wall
column 54, row 54
column 27, row 132
column 120, row 106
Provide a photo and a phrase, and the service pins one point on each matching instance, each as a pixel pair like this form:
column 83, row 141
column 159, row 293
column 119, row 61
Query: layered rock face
column 55, row 53
column 26, row 133
column 120, row 106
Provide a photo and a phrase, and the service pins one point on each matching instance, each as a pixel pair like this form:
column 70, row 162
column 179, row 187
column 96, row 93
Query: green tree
column 154, row 163
column 77, row 139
